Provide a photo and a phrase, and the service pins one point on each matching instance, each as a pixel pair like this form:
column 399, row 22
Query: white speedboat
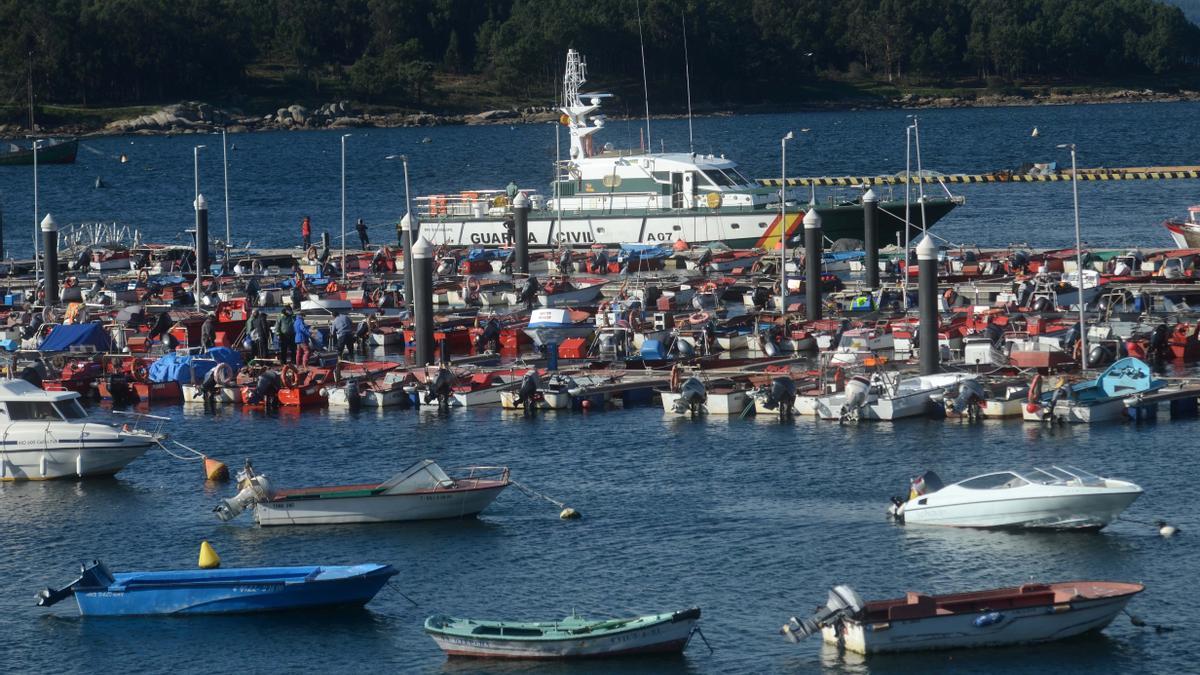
column 886, row 397
column 1052, row 498
column 48, row 435
column 423, row 491
column 1025, row 614
column 553, row 326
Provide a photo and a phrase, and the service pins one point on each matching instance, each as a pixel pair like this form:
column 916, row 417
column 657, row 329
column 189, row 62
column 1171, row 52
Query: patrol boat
column 603, row 195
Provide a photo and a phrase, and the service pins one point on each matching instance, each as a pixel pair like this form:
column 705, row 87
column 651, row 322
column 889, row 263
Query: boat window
column 741, row 178
column 661, row 176
column 715, row 177
column 994, row 481
column 734, row 226
column 71, row 409
column 32, row 410
column 762, row 225
column 734, row 177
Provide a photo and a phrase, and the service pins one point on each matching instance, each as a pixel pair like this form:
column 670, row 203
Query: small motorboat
column 1186, row 233
column 1051, row 498
column 1024, row 614
column 887, row 396
column 572, row 637
column 1100, row 400
column 553, row 326
column 99, row 592
column 423, row 491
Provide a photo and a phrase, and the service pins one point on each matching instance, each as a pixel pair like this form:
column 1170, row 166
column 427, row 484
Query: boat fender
column 290, row 376
column 676, row 377
column 208, row 556
column 989, row 619
column 1165, row 529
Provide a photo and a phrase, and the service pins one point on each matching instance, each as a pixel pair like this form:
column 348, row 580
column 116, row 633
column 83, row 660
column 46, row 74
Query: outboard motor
column 529, row 291
column 92, row 576
column 1160, row 347
column 254, row 489
column 441, row 389
column 760, row 297
column 705, row 261
column 600, row 262
column 857, row 390
column 32, row 376
column 1099, row 355
column 445, row 267
column 692, row 397
column 970, row 395
column 1070, row 338
column 843, row 601
column 353, row 396
column 771, row 341
column 266, row 389
column 527, row 393
column 782, row 394
column 924, row 484
column 684, row 349
column 119, row 390
column 652, row 294
column 489, row 339
column 995, row 334
column 565, row 262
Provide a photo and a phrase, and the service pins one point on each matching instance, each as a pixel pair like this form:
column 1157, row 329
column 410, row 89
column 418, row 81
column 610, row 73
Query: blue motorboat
column 99, row 592
column 1103, row 399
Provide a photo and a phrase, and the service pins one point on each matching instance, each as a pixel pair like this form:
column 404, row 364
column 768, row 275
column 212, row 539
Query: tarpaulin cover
column 182, row 368
column 488, row 254
column 644, row 252
column 63, row 337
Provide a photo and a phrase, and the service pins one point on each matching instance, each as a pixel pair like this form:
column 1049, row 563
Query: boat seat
column 916, row 606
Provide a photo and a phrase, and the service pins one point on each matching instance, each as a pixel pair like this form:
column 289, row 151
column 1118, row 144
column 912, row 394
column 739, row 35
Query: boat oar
column 567, row 512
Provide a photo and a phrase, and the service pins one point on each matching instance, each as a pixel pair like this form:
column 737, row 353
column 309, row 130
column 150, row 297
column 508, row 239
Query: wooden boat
column 423, row 491
column 1024, row 614
column 572, row 637
column 98, row 592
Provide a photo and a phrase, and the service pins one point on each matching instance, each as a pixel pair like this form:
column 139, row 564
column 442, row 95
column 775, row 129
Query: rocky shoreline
column 198, row 117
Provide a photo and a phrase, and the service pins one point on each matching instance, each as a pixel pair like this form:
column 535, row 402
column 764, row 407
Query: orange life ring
column 332, row 287
column 603, row 307
column 70, row 282
column 472, row 285
column 756, row 267
column 1181, row 330
column 291, row 377
column 312, row 252
column 676, row 377
column 631, row 318
column 143, row 276
column 377, row 295
column 141, row 373
column 699, row 318
column 709, row 287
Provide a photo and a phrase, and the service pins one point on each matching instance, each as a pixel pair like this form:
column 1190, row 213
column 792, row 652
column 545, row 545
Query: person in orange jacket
column 306, row 232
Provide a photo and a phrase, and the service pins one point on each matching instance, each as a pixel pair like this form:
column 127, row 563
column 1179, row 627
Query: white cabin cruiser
column 47, row 435
column 1051, row 498
column 886, row 396
column 604, row 195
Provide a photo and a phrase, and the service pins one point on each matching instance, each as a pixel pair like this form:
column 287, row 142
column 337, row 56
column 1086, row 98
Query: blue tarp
column 644, row 252
column 62, row 338
column 488, row 254
column 182, row 368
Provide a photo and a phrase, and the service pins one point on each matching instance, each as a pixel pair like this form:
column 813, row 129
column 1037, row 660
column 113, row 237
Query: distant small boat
column 1025, row 614
column 53, row 151
column 1051, row 498
column 1185, row 233
column 423, row 491
column 1035, row 133
column 572, row 637
column 99, row 592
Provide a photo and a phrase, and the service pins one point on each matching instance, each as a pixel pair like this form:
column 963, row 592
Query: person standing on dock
column 303, row 336
column 306, row 232
column 343, row 332
column 260, row 333
column 361, row 228
column 512, row 191
column 286, row 332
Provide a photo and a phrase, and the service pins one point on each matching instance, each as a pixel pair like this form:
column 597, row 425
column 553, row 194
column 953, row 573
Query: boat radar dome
column 49, row 224
column 201, row 203
column 870, row 196
column 520, row 201
column 812, row 220
column 422, row 249
column 408, row 221
column 926, row 249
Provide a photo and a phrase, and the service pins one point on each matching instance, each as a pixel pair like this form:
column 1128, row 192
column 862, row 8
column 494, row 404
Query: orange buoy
column 215, row 469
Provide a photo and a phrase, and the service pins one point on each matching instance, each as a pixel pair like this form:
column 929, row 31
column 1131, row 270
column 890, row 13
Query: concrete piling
column 812, row 264
column 521, row 233
column 203, row 261
column 927, row 302
column 422, row 300
column 50, row 244
column 409, row 227
column 871, row 237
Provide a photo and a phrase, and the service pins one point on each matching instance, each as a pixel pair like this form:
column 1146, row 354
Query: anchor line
column 533, row 493
column 696, row 631
column 197, row 453
column 392, row 587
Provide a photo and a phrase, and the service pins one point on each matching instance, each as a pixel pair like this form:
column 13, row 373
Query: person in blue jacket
column 303, row 339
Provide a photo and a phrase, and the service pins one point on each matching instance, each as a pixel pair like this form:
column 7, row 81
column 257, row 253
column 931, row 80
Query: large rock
column 299, row 113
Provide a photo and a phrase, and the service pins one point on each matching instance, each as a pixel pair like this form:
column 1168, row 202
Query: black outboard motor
column 970, row 397
column 843, row 601
column 441, row 389
column 565, row 262
column 529, row 291
column 1159, row 348
column 1071, row 338
column 32, row 376
column 705, row 261
column 692, row 397
column 489, row 339
column 760, row 297
column 995, row 334
column 684, row 349
column 771, row 341
column 119, row 390
column 266, row 389
column 527, row 394
column 652, row 294
column 353, row 395
column 600, row 263
column 781, row 394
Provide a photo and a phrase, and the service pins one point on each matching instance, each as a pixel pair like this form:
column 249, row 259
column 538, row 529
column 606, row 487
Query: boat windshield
column 71, row 409
column 994, row 481
column 1057, row 475
column 32, row 410
column 717, row 177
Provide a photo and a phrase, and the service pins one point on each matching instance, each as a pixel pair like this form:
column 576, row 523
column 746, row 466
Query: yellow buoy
column 215, row 469
column 208, row 557
column 569, row 514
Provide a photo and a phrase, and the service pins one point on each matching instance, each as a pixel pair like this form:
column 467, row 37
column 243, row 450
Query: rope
column 696, row 631
column 391, row 587
column 198, row 454
column 530, row 492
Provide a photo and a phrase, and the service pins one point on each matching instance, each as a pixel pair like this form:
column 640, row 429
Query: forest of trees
column 742, row 51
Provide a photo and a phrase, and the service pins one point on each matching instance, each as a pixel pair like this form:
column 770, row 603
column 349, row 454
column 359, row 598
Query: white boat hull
column 720, row 403
column 1083, row 508
column 1016, row 626
column 370, row 398
column 65, row 461
column 376, row 508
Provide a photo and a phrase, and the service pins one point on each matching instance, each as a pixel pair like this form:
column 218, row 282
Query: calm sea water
column 751, row 520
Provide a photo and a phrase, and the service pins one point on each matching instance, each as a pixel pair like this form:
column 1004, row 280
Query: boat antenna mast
column 687, row 72
column 645, row 84
column 576, row 113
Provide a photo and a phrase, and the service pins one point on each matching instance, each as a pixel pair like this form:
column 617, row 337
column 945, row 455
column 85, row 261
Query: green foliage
column 118, row 51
